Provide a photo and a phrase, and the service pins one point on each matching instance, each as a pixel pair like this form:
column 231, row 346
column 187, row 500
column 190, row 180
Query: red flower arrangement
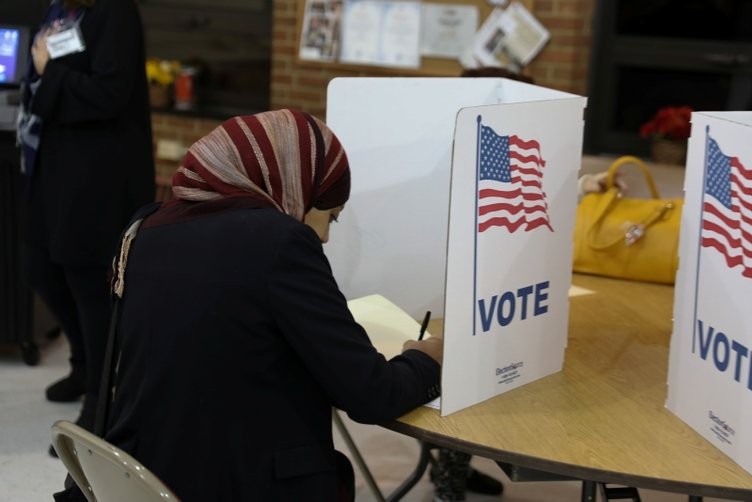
column 670, row 122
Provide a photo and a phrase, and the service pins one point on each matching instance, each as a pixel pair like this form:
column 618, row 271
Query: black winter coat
column 95, row 164
column 236, row 344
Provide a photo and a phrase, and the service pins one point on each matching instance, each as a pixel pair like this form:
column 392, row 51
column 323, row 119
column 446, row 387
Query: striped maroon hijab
column 284, row 159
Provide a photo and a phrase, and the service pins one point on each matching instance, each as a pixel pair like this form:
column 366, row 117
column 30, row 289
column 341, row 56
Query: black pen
column 424, row 325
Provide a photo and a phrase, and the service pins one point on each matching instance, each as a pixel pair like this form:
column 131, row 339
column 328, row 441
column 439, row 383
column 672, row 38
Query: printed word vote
column 727, row 354
column 503, row 307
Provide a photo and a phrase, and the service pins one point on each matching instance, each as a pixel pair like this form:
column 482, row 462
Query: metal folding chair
column 103, row 472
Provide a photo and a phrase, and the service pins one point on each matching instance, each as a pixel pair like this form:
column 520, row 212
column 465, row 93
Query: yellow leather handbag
column 628, row 238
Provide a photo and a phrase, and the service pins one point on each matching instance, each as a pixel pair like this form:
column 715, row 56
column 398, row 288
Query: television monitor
column 14, row 50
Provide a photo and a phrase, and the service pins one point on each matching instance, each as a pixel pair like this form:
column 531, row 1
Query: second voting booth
column 710, row 364
column 463, row 203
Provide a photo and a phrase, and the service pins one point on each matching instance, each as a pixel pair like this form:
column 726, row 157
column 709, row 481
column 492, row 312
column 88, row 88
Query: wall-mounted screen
column 14, row 47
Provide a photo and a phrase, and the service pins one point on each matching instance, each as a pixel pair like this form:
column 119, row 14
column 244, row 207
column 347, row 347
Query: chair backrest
column 103, row 472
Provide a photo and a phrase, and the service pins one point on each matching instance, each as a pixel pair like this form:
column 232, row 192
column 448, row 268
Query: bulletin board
column 429, row 66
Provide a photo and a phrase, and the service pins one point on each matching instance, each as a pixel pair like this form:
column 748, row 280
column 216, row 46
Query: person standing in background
column 85, row 135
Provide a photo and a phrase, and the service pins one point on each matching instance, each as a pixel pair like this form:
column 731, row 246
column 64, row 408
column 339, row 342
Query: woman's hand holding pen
column 433, row 346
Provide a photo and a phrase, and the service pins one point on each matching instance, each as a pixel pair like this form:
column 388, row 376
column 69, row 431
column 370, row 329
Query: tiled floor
column 29, row 474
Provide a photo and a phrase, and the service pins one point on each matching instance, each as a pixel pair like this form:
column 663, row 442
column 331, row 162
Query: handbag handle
column 635, row 231
column 630, row 159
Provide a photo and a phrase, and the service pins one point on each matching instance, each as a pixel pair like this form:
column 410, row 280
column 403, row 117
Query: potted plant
column 668, row 131
column 161, row 75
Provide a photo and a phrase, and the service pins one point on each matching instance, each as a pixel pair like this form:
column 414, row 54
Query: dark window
column 705, row 90
column 647, row 54
column 691, row 19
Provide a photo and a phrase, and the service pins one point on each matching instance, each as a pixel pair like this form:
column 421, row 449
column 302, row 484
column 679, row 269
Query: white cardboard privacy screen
column 710, row 363
column 397, row 132
column 513, row 198
column 407, row 139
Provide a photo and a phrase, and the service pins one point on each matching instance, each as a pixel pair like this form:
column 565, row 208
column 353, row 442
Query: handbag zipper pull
column 635, row 231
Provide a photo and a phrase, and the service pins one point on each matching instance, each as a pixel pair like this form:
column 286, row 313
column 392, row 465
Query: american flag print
column 510, row 183
column 727, row 208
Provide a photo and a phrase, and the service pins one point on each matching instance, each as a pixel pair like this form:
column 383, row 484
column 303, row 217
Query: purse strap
column 630, row 159
column 636, row 230
column 109, row 366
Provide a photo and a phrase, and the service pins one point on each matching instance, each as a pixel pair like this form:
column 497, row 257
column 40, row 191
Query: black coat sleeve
column 313, row 316
column 98, row 83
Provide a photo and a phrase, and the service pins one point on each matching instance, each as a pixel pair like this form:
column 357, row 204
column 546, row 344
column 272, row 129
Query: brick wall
column 181, row 131
column 562, row 65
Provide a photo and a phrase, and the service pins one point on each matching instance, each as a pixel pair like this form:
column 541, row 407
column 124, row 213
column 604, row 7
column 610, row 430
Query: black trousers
column 79, row 298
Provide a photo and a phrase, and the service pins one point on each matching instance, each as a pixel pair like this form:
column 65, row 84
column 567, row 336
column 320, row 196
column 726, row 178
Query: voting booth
column 463, row 203
column 710, row 365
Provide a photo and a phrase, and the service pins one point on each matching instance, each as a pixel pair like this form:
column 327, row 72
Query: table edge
column 574, row 471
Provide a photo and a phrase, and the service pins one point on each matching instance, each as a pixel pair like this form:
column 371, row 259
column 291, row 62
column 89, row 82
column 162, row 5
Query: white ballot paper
column 387, row 325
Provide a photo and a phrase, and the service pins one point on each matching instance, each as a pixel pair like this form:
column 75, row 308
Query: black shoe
column 481, row 483
column 68, row 389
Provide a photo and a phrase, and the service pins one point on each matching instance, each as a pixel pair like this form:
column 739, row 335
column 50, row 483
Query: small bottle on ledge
column 185, row 95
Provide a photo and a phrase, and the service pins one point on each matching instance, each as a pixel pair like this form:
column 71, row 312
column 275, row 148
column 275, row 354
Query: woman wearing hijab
column 85, row 132
column 235, row 339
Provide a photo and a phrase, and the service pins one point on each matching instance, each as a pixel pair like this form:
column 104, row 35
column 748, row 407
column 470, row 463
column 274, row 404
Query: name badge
column 65, row 42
